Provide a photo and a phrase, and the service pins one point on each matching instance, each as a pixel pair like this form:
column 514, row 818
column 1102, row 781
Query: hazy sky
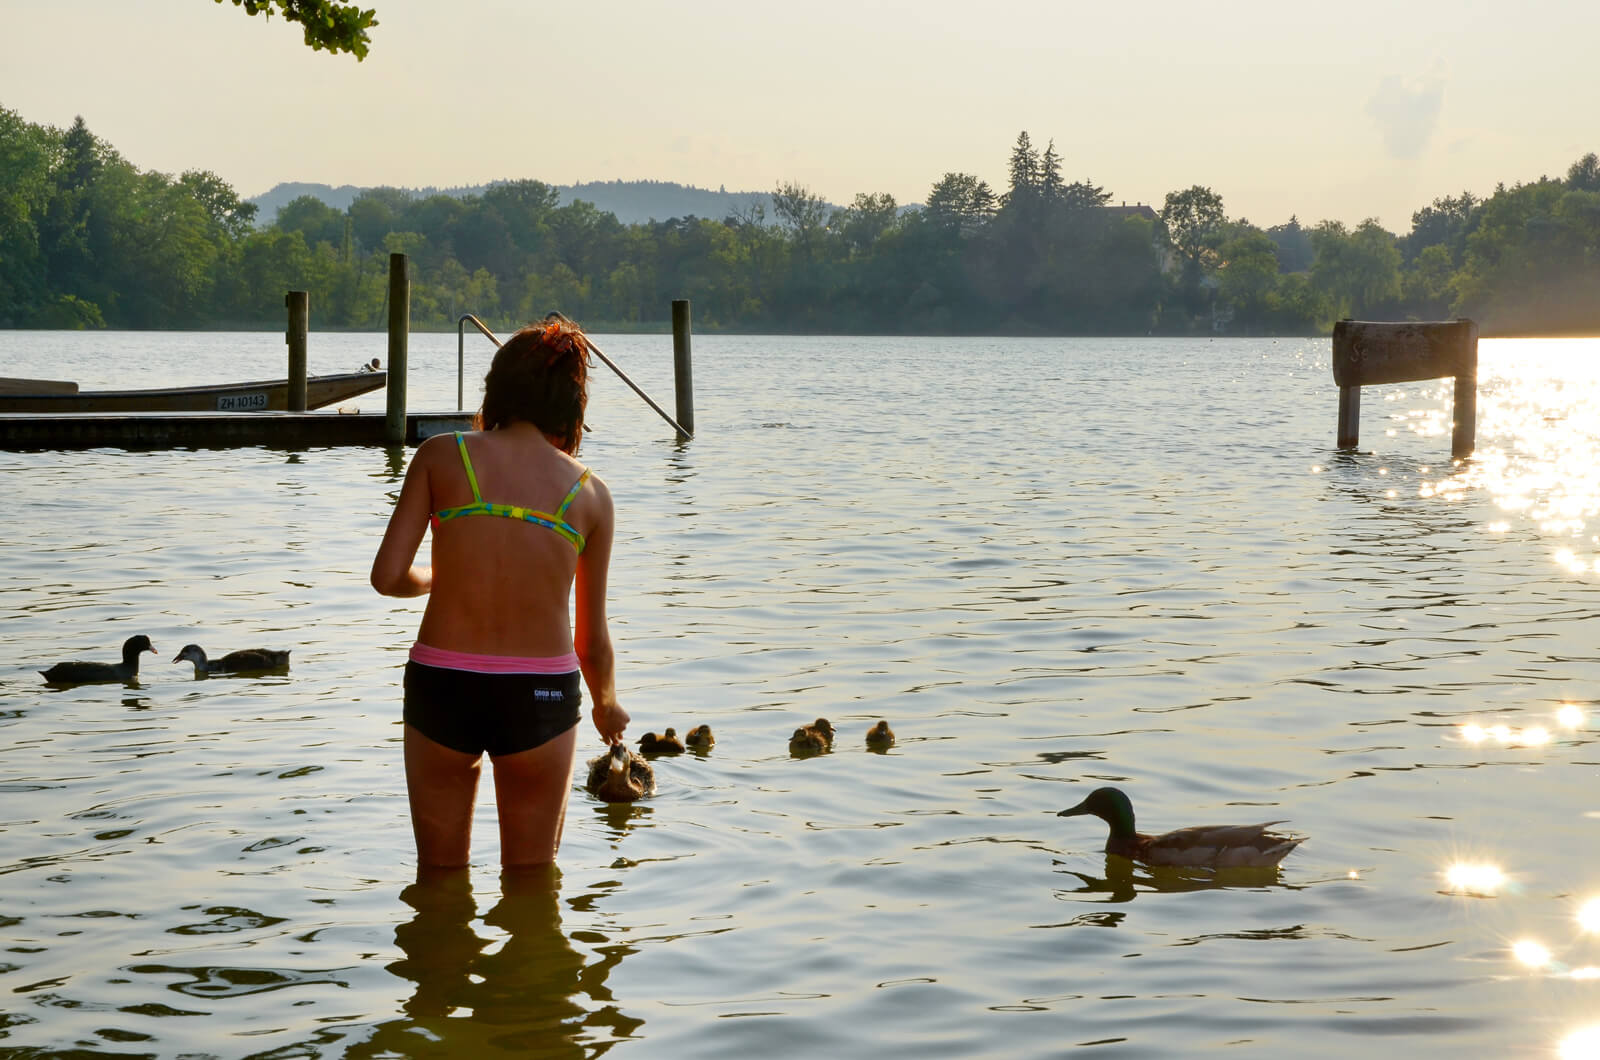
column 1328, row 111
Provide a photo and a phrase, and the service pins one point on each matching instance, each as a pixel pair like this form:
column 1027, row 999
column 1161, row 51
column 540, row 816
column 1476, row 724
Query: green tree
column 806, row 215
column 1584, row 174
column 864, row 221
column 1446, row 223
column 1533, row 263
column 960, row 202
column 1294, row 245
column 1427, row 283
column 1359, row 271
column 329, row 24
column 1194, row 223
column 1248, row 273
column 1194, row 218
column 1083, row 195
column 232, row 216
column 312, row 218
column 25, row 153
column 1024, row 173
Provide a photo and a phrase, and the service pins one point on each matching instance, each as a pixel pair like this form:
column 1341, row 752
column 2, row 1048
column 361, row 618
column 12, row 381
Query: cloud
column 1407, row 112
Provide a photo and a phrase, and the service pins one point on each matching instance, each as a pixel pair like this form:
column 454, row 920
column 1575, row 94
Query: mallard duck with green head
column 1201, row 846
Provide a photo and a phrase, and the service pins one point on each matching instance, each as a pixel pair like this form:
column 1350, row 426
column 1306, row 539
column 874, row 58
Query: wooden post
column 682, row 376
column 394, row 426
column 1370, row 352
column 299, row 304
column 1464, row 429
column 1349, row 416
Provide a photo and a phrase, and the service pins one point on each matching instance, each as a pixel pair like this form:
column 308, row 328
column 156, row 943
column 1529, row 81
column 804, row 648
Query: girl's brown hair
column 540, row 376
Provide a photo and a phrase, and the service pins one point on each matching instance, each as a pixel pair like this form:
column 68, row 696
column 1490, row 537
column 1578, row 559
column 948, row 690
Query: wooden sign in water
column 1368, row 352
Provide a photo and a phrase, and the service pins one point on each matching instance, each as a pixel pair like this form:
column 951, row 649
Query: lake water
column 1050, row 564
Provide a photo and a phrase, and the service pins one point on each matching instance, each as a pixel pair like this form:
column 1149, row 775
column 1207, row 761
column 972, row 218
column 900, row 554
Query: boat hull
column 271, row 395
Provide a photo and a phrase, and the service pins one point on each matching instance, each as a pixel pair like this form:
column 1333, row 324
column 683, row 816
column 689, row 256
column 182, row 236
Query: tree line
column 89, row 240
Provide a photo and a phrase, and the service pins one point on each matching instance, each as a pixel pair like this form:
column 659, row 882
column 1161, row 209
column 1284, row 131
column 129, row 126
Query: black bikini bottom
column 498, row 713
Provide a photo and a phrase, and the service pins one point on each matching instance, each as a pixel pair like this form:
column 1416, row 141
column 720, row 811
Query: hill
column 632, row 201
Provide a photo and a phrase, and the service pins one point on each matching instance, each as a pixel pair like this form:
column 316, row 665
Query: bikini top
column 479, row 506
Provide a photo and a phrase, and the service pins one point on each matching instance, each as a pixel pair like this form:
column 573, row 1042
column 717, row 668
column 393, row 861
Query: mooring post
column 299, row 305
column 394, row 425
column 682, row 375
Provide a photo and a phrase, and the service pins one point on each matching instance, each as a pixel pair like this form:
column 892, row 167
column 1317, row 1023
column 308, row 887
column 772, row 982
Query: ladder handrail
column 461, row 354
column 461, row 338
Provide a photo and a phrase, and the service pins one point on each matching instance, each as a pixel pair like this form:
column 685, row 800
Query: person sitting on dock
column 495, row 668
column 370, row 366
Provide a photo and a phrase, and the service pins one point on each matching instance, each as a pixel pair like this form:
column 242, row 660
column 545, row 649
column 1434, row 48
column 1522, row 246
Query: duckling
column 665, row 744
column 807, row 741
column 824, row 728
column 1213, row 846
column 700, row 738
column 248, row 661
column 619, row 775
column 89, row 673
column 880, row 736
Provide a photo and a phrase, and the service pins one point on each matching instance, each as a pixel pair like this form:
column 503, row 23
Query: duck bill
column 1076, row 811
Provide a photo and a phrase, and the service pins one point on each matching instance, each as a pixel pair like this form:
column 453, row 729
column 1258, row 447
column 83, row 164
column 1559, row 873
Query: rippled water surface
column 1050, row 564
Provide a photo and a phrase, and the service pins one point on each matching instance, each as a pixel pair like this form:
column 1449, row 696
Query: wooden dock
column 215, row 430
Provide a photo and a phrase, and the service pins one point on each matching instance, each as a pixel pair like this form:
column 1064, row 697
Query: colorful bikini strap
column 561, row 512
column 466, row 462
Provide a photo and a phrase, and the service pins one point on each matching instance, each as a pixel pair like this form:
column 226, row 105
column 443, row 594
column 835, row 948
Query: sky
column 1318, row 110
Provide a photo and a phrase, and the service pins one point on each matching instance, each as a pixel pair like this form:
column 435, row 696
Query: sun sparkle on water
column 1474, row 878
column 1570, row 716
column 1581, row 1044
column 1531, row 953
column 1539, row 421
column 1589, row 916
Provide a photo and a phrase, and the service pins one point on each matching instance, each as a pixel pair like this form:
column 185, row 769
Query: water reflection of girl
column 518, row 524
column 534, row 995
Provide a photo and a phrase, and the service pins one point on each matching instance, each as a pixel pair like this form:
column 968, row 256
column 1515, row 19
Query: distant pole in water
column 299, row 304
column 1367, row 352
column 682, row 376
column 394, row 427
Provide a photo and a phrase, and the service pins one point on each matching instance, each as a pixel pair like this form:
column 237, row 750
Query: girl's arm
column 393, row 571
column 591, row 634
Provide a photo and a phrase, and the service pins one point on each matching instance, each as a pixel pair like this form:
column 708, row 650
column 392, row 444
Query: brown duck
column 665, row 744
column 620, row 775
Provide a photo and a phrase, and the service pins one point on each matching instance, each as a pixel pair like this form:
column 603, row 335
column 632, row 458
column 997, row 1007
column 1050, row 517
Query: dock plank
column 214, row 430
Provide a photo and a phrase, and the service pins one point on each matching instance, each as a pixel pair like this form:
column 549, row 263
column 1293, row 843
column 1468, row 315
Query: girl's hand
column 610, row 720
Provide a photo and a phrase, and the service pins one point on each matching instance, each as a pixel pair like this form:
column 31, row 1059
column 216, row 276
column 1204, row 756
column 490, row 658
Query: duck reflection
column 1124, row 879
column 535, row 994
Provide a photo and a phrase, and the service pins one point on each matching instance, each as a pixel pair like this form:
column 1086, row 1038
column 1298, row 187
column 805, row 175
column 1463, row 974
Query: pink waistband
column 493, row 664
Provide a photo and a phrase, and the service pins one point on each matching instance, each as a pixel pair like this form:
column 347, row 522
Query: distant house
column 1158, row 236
column 1138, row 209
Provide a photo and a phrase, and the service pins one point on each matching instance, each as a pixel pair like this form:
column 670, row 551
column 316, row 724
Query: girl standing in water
column 518, row 523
